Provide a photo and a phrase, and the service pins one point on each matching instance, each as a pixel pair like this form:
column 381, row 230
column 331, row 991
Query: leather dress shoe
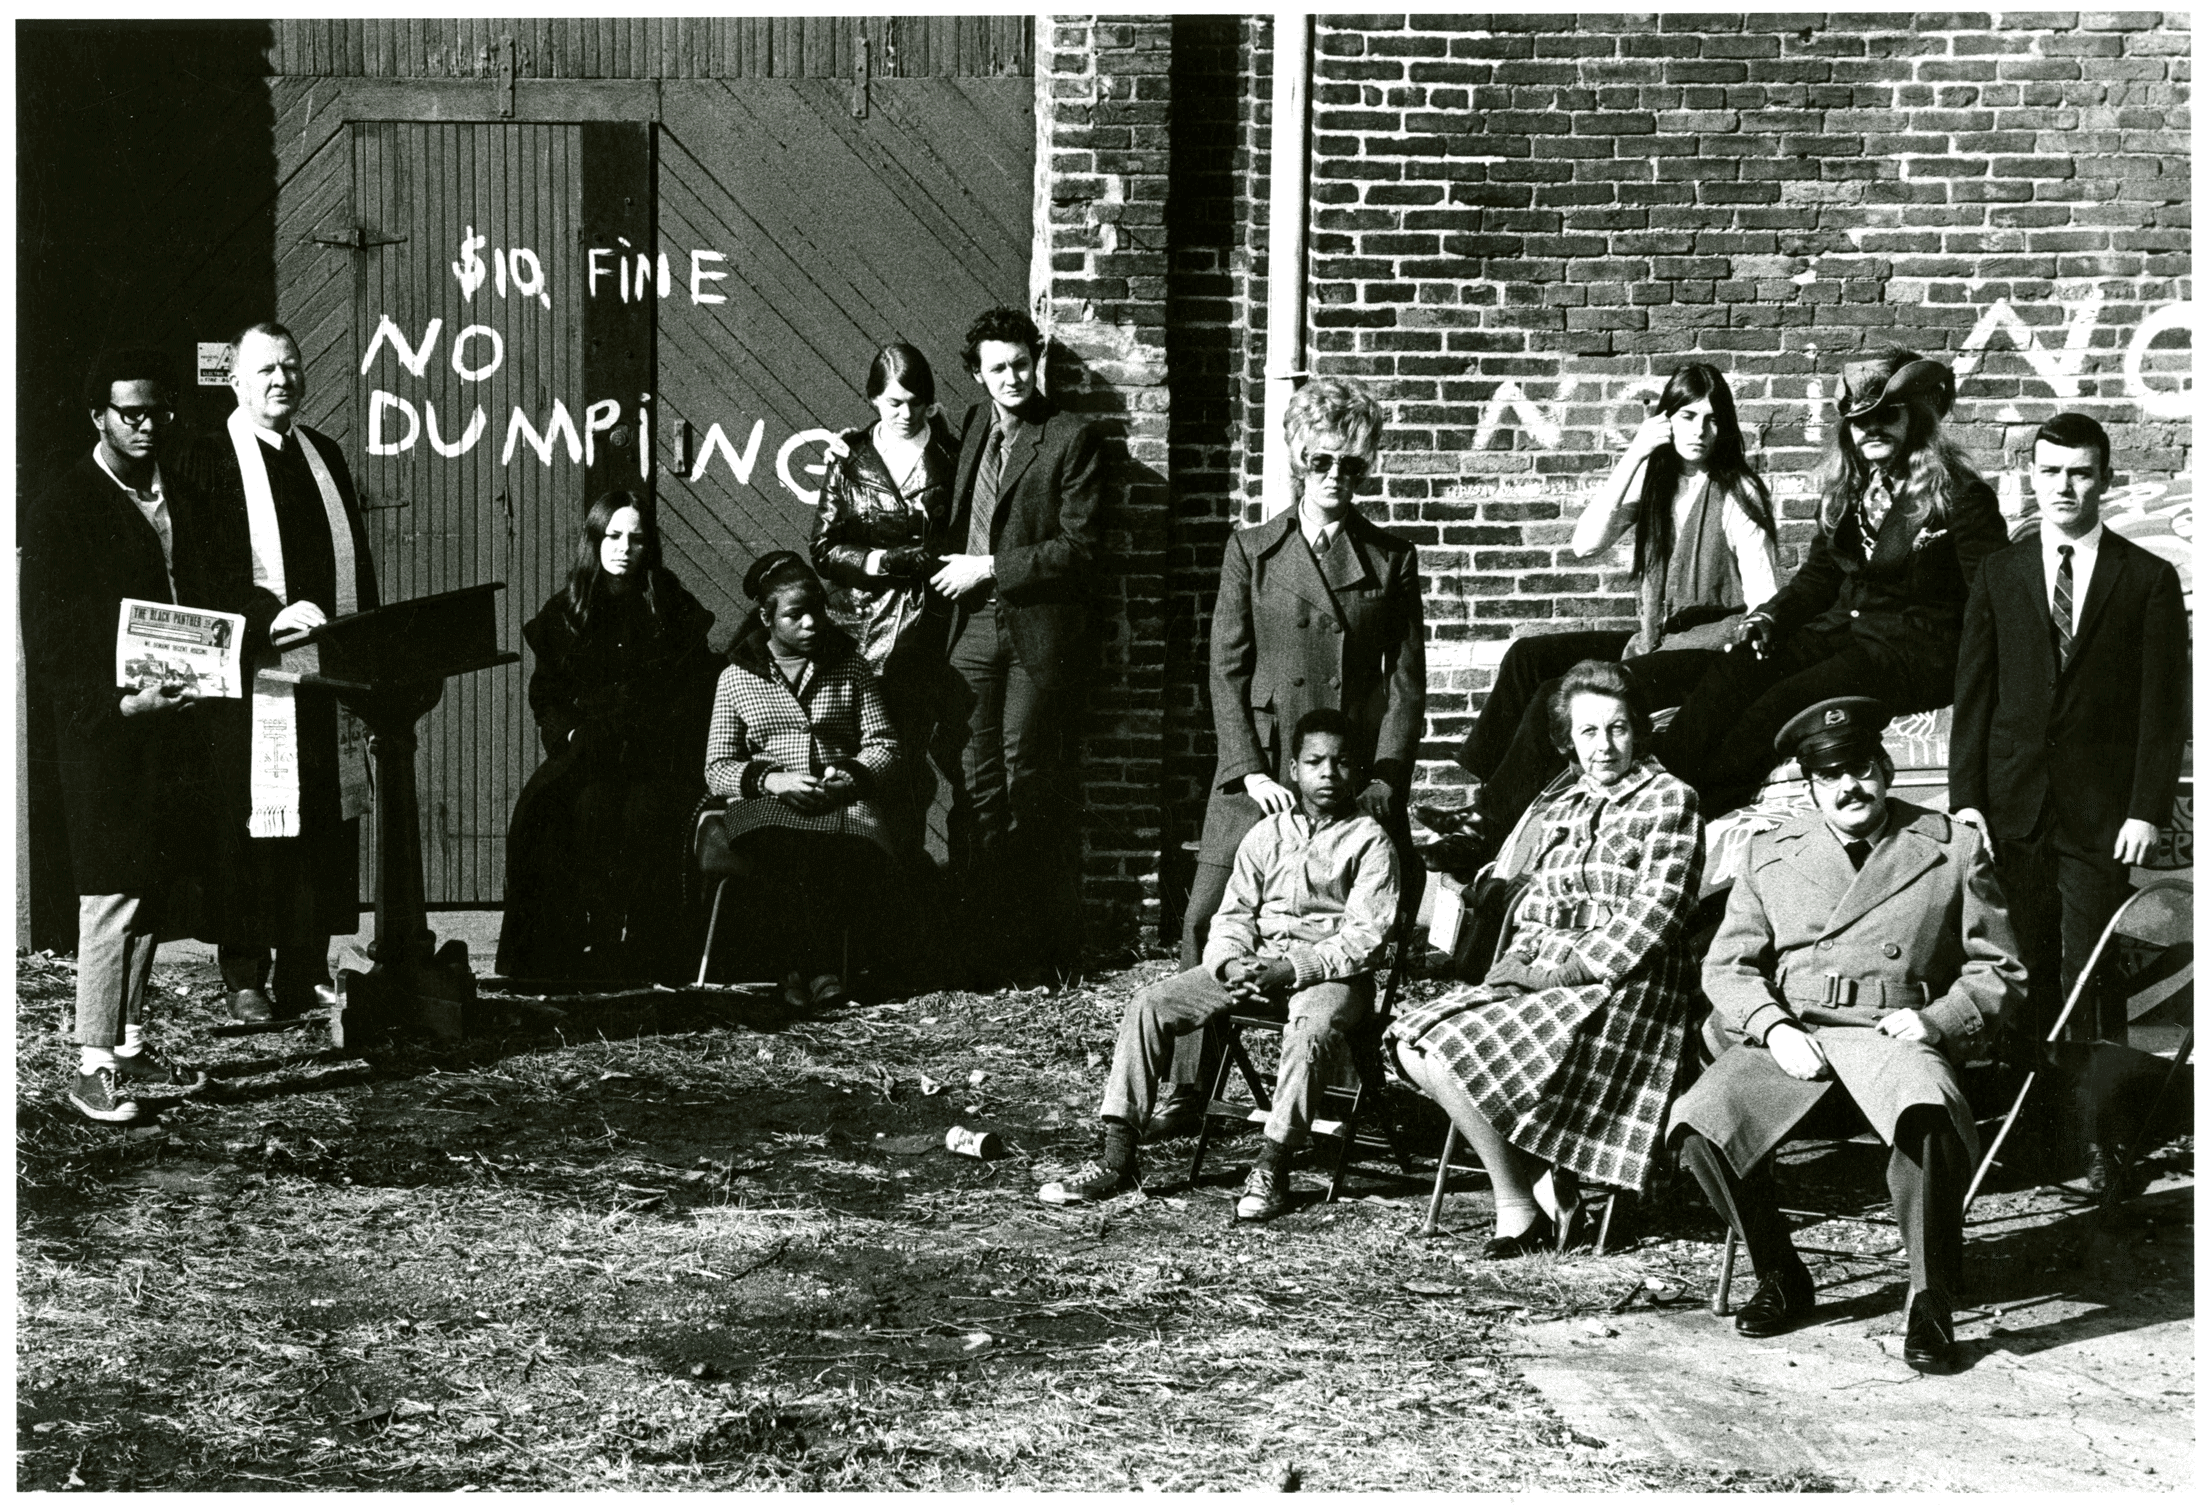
column 1538, row 1237
column 251, row 1006
column 1783, row 1303
column 1929, row 1346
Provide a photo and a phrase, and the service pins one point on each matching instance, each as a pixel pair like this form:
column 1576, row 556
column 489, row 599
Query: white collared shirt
column 1604, row 523
column 1319, row 538
column 153, row 502
column 2084, row 554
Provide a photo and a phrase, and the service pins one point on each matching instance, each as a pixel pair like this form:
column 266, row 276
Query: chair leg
column 1345, row 1138
column 1726, row 1276
column 1604, row 1226
column 710, row 934
column 2008, row 1122
column 1433, row 1221
column 1231, row 1056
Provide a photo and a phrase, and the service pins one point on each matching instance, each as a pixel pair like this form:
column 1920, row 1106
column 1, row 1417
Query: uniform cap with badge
column 1834, row 732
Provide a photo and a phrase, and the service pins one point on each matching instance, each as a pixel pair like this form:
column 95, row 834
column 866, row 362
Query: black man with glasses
column 1866, row 954
column 132, row 762
column 1318, row 609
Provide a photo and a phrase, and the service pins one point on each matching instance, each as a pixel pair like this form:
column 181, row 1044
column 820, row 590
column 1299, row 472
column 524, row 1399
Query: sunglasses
column 138, row 418
column 1348, row 467
column 1859, row 769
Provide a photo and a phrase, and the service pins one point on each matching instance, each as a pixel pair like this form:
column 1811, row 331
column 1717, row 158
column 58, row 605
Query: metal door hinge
column 859, row 96
column 508, row 75
column 360, row 240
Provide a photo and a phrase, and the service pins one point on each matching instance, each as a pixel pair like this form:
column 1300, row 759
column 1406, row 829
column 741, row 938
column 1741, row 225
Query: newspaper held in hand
column 160, row 644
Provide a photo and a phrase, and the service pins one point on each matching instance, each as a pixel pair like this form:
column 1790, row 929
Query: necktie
column 2065, row 591
column 986, row 494
column 1858, row 851
column 1878, row 501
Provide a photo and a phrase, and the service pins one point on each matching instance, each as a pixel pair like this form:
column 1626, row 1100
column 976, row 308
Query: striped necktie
column 2065, row 593
column 985, row 497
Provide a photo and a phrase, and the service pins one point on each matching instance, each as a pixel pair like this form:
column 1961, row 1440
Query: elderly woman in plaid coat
column 1561, row 1062
column 799, row 748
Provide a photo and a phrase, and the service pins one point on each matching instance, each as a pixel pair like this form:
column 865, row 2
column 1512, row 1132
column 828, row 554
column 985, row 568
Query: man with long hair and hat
column 1865, row 955
column 1903, row 522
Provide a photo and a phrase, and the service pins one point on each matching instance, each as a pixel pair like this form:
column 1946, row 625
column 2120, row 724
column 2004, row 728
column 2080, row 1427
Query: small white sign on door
column 215, row 358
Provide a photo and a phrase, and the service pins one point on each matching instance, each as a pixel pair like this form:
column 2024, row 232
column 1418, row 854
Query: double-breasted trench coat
column 1809, row 940
column 1288, row 639
column 1580, row 1076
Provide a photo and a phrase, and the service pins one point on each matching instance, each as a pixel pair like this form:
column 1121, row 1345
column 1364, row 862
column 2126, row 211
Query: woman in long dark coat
column 621, row 693
column 1561, row 1062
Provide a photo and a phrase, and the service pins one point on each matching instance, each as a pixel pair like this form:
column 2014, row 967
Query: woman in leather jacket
column 621, row 692
column 881, row 520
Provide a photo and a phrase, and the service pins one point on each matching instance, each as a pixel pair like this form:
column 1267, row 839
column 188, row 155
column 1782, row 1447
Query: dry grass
column 672, row 1254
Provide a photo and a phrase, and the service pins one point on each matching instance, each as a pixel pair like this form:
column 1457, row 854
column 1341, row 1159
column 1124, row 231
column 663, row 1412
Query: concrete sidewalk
column 2077, row 1353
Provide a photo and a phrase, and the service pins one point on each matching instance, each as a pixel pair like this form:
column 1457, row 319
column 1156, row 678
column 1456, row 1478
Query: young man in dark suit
column 1020, row 544
column 2070, row 720
column 132, row 762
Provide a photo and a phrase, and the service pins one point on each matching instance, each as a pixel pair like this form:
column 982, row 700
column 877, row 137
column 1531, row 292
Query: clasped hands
column 1249, row 980
column 1534, row 976
column 812, row 794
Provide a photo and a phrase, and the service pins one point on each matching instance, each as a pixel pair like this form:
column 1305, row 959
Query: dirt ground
column 676, row 1241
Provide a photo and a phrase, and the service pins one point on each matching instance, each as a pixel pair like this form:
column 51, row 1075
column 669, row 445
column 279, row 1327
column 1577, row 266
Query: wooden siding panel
column 438, row 523
column 839, row 235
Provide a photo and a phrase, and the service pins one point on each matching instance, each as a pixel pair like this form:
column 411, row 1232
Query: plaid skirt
column 1580, row 1077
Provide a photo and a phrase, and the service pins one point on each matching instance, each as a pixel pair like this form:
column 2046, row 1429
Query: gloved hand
column 908, row 561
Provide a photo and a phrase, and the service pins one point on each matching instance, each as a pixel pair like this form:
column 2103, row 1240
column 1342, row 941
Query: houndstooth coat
column 1582, row 1076
column 760, row 725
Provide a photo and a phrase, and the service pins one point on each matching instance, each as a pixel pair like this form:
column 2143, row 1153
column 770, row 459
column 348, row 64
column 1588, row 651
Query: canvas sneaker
column 149, row 1068
column 95, row 1096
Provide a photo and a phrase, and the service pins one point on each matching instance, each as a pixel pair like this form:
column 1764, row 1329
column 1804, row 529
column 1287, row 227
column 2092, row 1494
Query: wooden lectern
column 388, row 666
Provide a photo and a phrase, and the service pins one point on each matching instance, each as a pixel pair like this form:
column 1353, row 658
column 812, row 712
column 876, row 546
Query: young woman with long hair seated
column 1877, row 607
column 800, row 748
column 1705, row 551
column 1559, row 1065
column 621, row 695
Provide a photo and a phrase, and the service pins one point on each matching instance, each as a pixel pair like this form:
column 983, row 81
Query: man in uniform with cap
column 1865, row 955
column 1878, row 604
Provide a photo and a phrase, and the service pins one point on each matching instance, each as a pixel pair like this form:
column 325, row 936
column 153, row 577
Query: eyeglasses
column 138, row 418
column 1348, row 467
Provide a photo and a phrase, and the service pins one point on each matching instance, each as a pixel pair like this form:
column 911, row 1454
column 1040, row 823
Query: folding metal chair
column 2148, row 949
column 721, row 863
column 1348, row 1103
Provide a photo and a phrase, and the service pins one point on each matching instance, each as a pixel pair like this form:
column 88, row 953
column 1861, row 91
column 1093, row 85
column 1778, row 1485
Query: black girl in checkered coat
column 800, row 748
column 1560, row 1064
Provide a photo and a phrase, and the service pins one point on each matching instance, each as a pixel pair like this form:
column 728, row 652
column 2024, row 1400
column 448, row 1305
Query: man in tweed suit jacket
column 1027, row 487
column 1865, row 954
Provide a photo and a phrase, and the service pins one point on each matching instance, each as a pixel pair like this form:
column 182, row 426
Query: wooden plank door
column 801, row 237
column 454, row 498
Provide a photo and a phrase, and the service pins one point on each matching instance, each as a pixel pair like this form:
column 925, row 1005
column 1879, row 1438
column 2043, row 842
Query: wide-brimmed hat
column 1867, row 386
